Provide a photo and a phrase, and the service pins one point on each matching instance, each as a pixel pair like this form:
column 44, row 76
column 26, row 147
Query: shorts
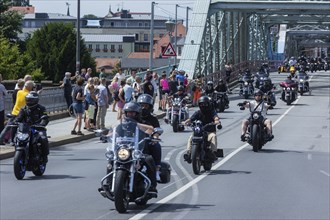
column 78, row 107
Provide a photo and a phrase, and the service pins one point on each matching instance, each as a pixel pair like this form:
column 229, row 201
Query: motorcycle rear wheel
column 120, row 191
column 39, row 170
column 19, row 165
column 196, row 158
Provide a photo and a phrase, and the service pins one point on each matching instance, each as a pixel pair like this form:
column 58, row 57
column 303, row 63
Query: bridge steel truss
column 237, row 31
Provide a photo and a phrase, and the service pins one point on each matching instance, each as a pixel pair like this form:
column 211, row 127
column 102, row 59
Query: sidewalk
column 59, row 131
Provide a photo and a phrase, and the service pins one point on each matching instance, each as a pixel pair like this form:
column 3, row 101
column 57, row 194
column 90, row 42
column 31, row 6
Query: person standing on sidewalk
column 78, row 105
column 67, row 86
column 114, row 88
column 103, row 104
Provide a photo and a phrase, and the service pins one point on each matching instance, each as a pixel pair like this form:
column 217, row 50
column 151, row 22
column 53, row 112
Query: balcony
column 120, row 50
column 105, row 50
column 112, row 50
column 90, row 49
column 97, row 50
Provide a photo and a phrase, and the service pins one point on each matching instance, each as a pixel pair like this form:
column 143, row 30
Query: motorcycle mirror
column 158, row 131
column 242, row 108
column 219, row 126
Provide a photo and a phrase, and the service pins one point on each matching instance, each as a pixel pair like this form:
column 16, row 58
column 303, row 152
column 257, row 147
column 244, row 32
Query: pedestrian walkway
column 59, row 131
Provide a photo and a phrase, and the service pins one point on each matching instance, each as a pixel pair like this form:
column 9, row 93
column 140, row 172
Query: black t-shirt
column 150, row 120
column 32, row 115
column 205, row 118
column 148, row 88
column 76, row 90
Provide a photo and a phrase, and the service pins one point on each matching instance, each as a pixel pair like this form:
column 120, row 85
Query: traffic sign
column 169, row 51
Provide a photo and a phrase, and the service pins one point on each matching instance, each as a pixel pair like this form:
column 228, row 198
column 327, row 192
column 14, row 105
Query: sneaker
column 153, row 191
column 166, row 120
column 270, row 137
column 187, row 158
column 158, row 176
column 243, row 137
column 73, row 132
column 79, row 133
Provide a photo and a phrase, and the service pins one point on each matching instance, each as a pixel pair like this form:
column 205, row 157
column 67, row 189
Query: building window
column 140, row 24
column 145, row 37
column 120, row 48
column 105, row 48
column 112, row 48
column 112, row 24
column 146, row 24
column 137, row 37
column 97, row 48
column 90, row 47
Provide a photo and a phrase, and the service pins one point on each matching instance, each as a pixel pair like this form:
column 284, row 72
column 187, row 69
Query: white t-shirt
column 262, row 107
column 120, row 77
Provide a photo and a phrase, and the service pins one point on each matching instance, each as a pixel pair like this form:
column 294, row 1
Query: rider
column 154, row 148
column 31, row 114
column 206, row 114
column 132, row 110
column 257, row 103
column 290, row 82
column 222, row 87
column 209, row 88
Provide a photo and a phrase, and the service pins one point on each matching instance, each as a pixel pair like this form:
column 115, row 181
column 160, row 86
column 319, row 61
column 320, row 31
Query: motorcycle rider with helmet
column 209, row 88
column 31, row 114
column 132, row 110
column 290, row 82
column 222, row 87
column 153, row 148
column 206, row 114
column 257, row 103
column 179, row 94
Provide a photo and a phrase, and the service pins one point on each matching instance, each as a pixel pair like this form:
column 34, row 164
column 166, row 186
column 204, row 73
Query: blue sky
column 101, row 7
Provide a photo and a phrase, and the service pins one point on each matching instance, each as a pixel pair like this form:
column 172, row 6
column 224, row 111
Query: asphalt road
column 288, row 179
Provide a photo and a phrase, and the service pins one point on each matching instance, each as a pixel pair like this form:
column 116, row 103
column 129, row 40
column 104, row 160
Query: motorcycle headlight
column 301, row 80
column 137, row 154
column 123, row 153
column 22, row 136
column 288, row 88
column 109, row 154
column 255, row 116
column 246, row 83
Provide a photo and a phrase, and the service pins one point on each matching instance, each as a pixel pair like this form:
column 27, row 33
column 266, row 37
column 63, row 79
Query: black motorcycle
column 256, row 132
column 201, row 154
column 177, row 113
column 126, row 179
column 246, row 86
column 30, row 141
column 219, row 101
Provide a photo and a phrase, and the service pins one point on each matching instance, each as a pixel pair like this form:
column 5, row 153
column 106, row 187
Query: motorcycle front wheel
column 120, row 191
column 19, row 165
column 175, row 123
column 196, row 158
column 255, row 138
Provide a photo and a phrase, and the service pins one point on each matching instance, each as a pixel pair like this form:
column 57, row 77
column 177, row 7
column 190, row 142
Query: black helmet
column 132, row 107
column 258, row 92
column 32, row 99
column 204, row 102
column 146, row 98
column 220, row 80
column 180, row 88
column 247, row 70
column 289, row 76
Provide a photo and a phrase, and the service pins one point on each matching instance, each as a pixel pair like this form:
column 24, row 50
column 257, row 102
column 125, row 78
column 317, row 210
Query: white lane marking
column 325, row 173
column 155, row 205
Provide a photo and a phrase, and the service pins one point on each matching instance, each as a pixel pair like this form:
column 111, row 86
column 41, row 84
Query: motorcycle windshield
column 23, row 128
column 302, row 76
column 128, row 133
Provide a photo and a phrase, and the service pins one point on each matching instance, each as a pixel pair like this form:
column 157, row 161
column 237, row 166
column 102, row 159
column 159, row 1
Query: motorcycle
column 270, row 98
column 126, row 179
column 256, row 134
column 219, row 100
column 261, row 77
column 177, row 113
column 29, row 145
column 303, row 85
column 201, row 154
column 246, row 86
column 289, row 92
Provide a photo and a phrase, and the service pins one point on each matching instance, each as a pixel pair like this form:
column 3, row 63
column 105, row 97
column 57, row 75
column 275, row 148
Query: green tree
column 53, row 47
column 10, row 21
column 15, row 65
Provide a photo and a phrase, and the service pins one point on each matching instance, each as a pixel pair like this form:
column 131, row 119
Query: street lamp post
column 170, row 25
column 78, row 38
column 151, row 54
column 176, row 31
